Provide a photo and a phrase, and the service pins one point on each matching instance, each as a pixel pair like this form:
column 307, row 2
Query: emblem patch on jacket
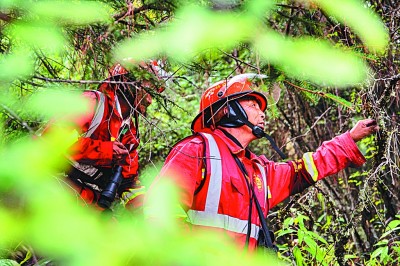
column 257, row 181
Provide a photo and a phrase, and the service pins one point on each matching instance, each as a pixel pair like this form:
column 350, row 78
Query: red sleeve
column 332, row 156
column 183, row 167
column 87, row 150
column 335, row 155
column 94, row 152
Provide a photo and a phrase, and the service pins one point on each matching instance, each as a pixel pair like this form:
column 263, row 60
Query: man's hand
column 363, row 129
column 120, row 152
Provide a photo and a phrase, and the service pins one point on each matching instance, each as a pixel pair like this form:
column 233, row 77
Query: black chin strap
column 237, row 117
column 259, row 133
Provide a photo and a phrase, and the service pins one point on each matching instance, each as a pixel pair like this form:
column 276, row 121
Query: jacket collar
column 233, row 144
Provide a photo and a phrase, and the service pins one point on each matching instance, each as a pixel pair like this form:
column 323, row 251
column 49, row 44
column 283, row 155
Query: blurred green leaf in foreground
column 197, row 28
column 37, row 207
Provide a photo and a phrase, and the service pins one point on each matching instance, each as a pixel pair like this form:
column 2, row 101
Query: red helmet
column 220, row 93
column 154, row 67
column 117, row 70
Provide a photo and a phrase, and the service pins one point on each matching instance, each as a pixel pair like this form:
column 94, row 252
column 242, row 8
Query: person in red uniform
column 107, row 136
column 222, row 185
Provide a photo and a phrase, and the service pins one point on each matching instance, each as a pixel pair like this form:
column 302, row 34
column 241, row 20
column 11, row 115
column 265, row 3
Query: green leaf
column 300, row 235
column 317, row 237
column 285, row 232
column 14, row 66
column 362, row 20
column 59, row 102
column 377, row 252
column 393, row 225
column 298, row 256
column 339, row 100
column 258, row 8
column 312, row 244
column 7, row 262
column 6, row 4
column 36, row 34
column 75, row 13
column 27, row 256
column 350, row 256
column 194, row 30
column 310, row 59
column 288, row 221
column 384, row 255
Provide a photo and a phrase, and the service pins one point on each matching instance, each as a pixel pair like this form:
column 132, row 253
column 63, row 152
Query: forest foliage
column 329, row 63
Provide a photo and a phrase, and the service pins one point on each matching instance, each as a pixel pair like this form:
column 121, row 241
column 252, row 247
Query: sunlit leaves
column 311, row 59
column 72, row 12
column 26, row 167
column 75, row 12
column 361, row 20
column 58, row 101
column 339, row 100
column 259, row 8
column 194, row 29
column 65, row 230
column 39, row 23
column 16, row 65
column 37, row 35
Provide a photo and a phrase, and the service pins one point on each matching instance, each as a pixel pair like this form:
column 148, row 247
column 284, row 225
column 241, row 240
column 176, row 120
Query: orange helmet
column 220, row 93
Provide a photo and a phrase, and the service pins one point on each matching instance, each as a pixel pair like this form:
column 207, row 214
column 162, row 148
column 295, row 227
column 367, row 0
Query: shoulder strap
column 98, row 115
column 204, row 169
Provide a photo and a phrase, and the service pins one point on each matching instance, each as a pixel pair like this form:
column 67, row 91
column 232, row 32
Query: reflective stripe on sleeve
column 310, row 165
column 132, row 193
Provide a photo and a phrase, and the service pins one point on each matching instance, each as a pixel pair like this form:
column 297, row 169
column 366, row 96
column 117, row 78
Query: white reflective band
column 214, row 187
column 98, row 115
column 222, row 221
column 210, row 216
column 117, row 105
column 310, row 165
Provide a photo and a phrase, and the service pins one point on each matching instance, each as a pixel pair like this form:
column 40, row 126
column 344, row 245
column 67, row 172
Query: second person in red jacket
column 107, row 136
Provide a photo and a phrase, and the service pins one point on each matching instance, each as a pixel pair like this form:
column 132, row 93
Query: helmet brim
column 198, row 124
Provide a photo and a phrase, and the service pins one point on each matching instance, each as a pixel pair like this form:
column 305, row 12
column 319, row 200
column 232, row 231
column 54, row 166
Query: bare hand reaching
column 363, row 129
column 120, row 152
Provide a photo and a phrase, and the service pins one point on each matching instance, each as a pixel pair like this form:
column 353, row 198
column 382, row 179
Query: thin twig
column 12, row 114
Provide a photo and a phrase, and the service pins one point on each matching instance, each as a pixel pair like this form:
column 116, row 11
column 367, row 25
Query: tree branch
column 12, row 114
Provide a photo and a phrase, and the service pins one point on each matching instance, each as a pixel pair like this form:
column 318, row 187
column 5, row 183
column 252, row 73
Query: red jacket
column 94, row 146
column 97, row 149
column 224, row 205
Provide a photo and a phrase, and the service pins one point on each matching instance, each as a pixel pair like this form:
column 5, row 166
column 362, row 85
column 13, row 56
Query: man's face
column 138, row 97
column 255, row 115
column 143, row 100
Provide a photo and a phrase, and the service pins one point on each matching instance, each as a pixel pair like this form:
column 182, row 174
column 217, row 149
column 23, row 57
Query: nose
column 262, row 114
column 149, row 99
